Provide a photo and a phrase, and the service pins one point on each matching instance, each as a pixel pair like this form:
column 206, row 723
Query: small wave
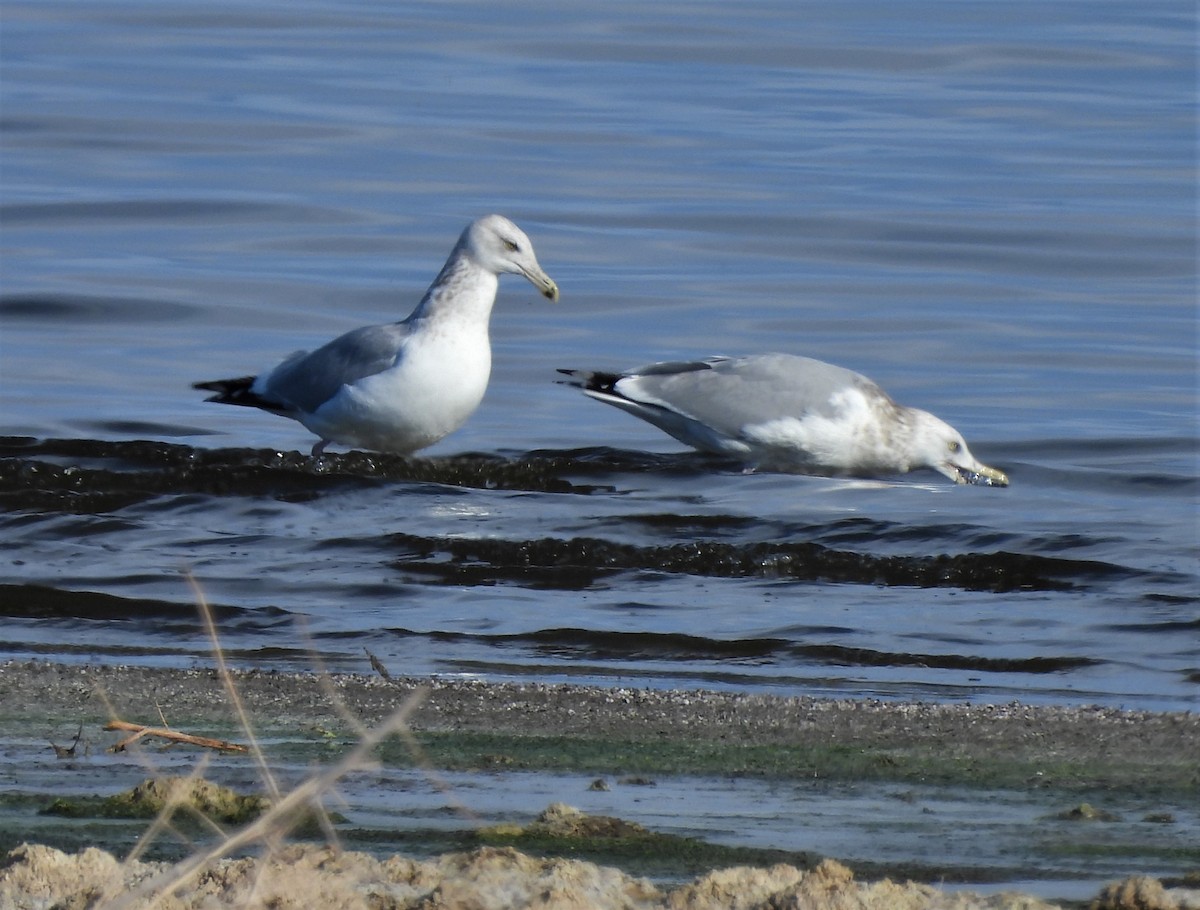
column 180, row 210
column 88, row 476
column 76, row 309
column 154, row 617
column 642, row 646
column 579, row 562
column 84, row 476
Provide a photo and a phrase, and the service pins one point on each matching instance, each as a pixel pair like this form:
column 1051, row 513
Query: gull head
column 499, row 246
column 939, row 446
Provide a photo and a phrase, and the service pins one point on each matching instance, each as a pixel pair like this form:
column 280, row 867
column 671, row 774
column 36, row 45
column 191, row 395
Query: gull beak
column 543, row 282
column 981, row 475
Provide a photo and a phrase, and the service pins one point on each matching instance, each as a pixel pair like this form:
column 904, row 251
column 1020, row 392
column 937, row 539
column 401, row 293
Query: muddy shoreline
column 1088, row 745
column 1070, row 754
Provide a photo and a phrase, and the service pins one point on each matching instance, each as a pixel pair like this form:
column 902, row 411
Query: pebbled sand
column 1167, row 742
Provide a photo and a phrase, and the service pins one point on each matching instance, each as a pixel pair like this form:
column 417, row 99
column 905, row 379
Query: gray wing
column 726, row 393
column 307, row 380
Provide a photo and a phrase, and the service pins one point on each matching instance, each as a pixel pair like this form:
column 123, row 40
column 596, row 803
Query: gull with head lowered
column 402, row 386
column 789, row 413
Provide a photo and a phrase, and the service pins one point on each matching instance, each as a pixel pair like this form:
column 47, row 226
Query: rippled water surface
column 989, row 209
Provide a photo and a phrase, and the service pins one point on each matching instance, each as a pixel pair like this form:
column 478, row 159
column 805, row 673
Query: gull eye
column 954, row 446
column 511, row 247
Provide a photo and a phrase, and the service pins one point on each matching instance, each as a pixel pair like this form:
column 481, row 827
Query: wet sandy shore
column 615, row 730
column 1109, row 744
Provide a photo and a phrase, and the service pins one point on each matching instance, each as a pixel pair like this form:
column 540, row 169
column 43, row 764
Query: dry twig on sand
column 140, row 730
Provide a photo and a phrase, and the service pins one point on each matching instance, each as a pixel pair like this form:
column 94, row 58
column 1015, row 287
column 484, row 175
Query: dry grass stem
column 162, row 822
column 269, row 829
column 231, row 690
column 277, row 819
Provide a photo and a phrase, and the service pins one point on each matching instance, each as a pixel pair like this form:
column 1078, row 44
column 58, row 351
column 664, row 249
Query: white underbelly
column 428, row 395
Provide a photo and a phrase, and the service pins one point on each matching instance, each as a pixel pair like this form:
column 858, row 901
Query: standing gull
column 783, row 412
column 402, row 386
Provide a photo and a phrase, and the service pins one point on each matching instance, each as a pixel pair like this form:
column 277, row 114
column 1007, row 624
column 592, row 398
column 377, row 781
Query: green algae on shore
column 956, row 792
column 174, row 795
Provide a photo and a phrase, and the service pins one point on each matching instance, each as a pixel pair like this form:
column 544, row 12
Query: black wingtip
column 241, row 383
column 592, row 380
column 237, row 391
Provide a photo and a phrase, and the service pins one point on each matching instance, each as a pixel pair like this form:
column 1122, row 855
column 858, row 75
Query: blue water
column 990, row 209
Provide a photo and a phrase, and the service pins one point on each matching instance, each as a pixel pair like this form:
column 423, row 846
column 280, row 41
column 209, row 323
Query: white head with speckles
column 496, row 244
column 937, row 445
